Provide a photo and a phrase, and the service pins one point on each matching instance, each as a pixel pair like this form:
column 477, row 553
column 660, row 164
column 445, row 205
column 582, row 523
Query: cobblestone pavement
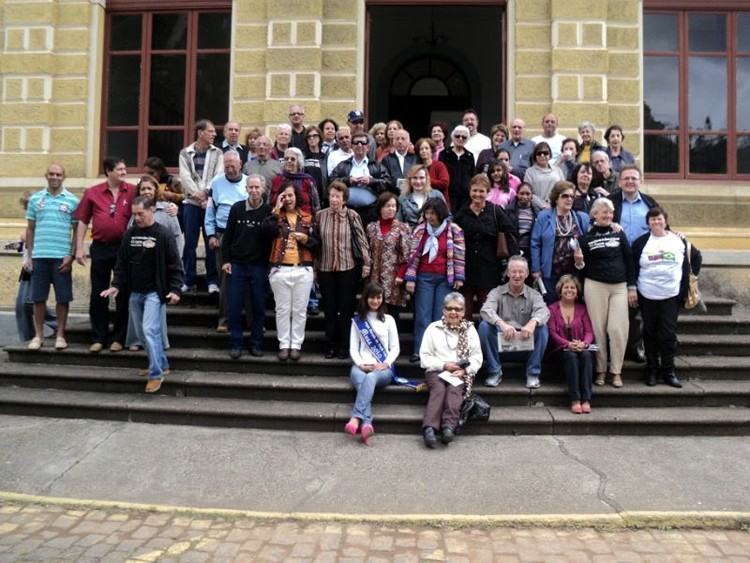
column 36, row 532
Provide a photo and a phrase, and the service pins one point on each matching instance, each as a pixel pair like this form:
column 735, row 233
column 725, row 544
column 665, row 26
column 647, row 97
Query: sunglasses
column 360, row 143
column 296, row 113
column 454, row 309
column 460, row 137
column 566, row 196
column 543, row 153
column 313, row 135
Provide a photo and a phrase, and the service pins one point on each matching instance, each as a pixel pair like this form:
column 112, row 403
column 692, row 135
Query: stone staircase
column 207, row 388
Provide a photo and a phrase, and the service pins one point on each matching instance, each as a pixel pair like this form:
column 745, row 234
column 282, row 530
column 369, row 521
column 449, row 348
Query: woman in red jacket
column 570, row 339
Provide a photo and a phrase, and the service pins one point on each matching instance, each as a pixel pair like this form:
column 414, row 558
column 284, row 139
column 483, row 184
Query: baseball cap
column 355, row 115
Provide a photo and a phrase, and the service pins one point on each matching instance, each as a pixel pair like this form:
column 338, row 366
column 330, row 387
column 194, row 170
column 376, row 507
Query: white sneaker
column 532, row 382
column 213, row 288
column 35, row 343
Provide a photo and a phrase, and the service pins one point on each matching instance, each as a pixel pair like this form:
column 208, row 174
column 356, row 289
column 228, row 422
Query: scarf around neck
column 431, row 245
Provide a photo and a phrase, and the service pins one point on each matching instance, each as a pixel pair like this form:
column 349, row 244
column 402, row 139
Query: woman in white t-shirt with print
column 662, row 272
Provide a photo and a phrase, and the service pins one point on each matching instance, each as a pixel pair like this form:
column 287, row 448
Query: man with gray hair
column 519, row 313
column 520, row 149
column 244, row 252
column 344, row 141
column 224, row 192
column 399, row 162
column 231, row 140
column 263, row 164
column 605, row 179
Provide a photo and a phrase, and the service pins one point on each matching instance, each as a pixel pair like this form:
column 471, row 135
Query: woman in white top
column 662, row 271
column 450, row 345
column 374, row 347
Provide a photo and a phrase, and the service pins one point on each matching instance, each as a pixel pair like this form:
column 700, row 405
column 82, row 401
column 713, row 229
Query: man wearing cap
column 356, row 121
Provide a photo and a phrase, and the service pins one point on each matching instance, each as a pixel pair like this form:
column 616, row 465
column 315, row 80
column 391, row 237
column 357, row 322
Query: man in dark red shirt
column 107, row 206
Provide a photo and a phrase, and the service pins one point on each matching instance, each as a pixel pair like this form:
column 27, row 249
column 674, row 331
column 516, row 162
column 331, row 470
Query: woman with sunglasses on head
column 460, row 164
column 554, row 239
column 541, row 176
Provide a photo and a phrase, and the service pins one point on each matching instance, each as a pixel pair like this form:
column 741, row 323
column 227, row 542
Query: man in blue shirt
column 520, row 149
column 49, row 243
column 631, row 206
column 226, row 190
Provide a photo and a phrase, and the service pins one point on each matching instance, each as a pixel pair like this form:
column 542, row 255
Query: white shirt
column 386, row 332
column 661, row 267
column 359, row 169
column 439, row 347
column 555, row 144
column 477, row 143
column 336, row 157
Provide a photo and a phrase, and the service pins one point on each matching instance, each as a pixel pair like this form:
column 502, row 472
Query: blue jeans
column 193, row 217
column 365, row 385
column 429, row 293
column 146, row 310
column 242, row 276
column 578, row 368
column 488, row 339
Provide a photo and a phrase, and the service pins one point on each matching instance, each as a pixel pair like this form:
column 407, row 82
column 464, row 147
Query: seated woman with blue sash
column 374, row 347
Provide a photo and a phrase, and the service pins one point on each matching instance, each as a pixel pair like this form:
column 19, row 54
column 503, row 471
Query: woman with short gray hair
column 586, row 131
column 460, row 164
column 294, row 172
column 604, row 259
column 450, row 349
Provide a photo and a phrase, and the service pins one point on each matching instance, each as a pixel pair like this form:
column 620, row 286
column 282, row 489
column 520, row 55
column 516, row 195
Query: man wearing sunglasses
column 107, row 207
column 366, row 178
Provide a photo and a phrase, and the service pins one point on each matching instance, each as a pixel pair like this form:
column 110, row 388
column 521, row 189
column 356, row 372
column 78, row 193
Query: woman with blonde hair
column 417, row 190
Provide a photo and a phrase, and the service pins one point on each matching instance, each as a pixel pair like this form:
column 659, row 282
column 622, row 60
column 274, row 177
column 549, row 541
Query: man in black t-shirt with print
column 149, row 266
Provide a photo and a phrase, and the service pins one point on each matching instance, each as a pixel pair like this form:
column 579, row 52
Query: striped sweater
column 455, row 253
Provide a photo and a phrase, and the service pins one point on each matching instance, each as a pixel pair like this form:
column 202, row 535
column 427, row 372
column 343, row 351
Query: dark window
column 165, row 69
column 697, row 93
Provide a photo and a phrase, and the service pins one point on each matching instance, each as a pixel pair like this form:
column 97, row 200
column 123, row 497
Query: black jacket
column 168, row 262
column 696, row 261
column 461, row 170
column 617, row 197
column 483, row 269
column 380, row 179
column 390, row 163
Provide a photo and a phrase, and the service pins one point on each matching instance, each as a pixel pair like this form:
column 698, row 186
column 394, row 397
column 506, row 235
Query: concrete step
column 165, row 409
column 336, row 388
column 194, row 337
column 213, row 360
column 201, row 299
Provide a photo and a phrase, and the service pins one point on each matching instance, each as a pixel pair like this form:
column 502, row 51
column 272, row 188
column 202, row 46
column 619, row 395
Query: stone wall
column 288, row 51
column 50, row 63
column 581, row 60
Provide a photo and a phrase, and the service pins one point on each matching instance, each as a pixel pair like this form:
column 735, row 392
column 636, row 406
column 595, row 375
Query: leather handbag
column 475, row 408
column 502, row 249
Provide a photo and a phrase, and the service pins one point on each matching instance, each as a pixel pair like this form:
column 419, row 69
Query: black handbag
column 359, row 258
column 473, row 408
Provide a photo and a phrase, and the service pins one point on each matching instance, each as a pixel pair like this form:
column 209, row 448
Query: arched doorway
column 428, row 62
column 426, row 89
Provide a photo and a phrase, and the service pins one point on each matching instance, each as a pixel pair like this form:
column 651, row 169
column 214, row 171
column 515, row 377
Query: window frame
column 147, row 10
column 683, row 11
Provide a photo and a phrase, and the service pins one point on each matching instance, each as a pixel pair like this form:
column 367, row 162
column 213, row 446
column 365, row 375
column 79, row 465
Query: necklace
column 564, row 227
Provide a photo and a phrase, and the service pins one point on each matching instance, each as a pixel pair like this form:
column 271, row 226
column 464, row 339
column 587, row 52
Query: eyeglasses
column 313, row 136
column 295, row 113
column 360, row 143
column 290, row 158
column 453, row 309
column 543, row 153
column 460, row 137
column 566, row 196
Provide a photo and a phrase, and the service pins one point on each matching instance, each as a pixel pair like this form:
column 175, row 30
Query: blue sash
column 377, row 350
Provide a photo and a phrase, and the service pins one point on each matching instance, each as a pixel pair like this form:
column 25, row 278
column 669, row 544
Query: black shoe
column 414, row 358
column 670, row 379
column 235, row 353
column 256, row 352
column 448, row 435
column 343, row 355
column 331, row 354
column 428, row 433
column 313, row 311
column 652, row 377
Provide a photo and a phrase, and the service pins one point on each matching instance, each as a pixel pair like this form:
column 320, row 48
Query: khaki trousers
column 607, row 305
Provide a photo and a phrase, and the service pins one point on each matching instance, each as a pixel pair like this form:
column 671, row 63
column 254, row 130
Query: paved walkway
column 39, row 532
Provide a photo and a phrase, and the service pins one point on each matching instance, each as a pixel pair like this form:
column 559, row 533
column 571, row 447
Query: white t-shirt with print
column 661, row 267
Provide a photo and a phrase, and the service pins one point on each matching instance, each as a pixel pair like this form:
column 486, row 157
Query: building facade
column 86, row 78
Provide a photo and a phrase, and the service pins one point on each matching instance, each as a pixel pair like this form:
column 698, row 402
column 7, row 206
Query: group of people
column 549, row 239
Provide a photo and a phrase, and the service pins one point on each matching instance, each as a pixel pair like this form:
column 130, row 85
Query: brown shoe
column 115, row 347
column 96, row 347
column 599, row 381
column 153, row 385
column 284, row 354
column 616, row 380
column 294, row 354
